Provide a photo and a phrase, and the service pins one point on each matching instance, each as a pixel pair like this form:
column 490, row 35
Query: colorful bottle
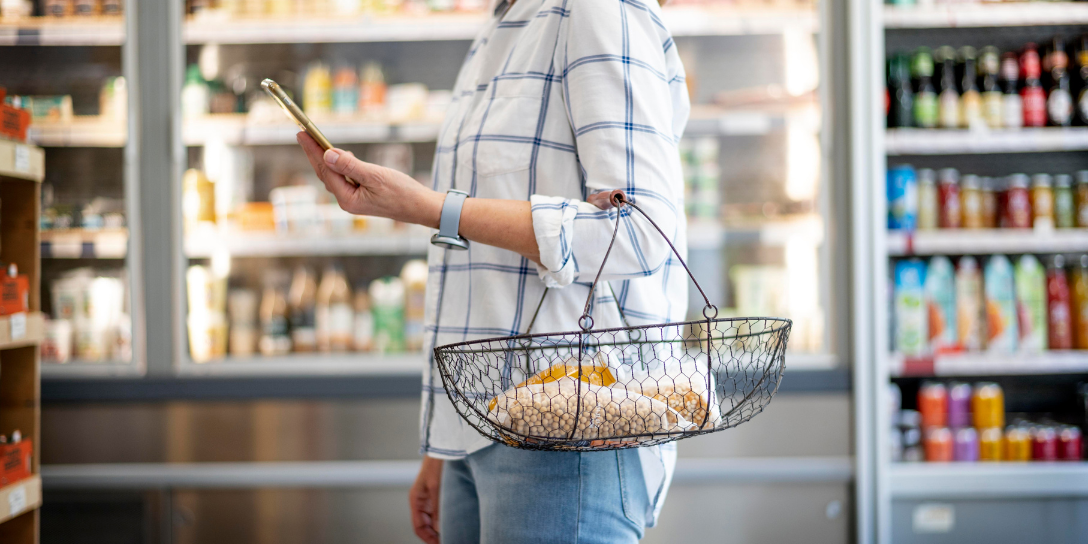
column 1017, row 444
column 971, row 202
column 989, row 68
column 911, row 316
column 938, row 445
column 902, row 198
column 1031, row 303
column 1044, row 443
column 1060, row 315
column 988, row 406
column 1042, row 202
column 1018, row 213
column 1012, row 105
column 970, row 99
column 1059, row 102
column 1065, row 212
column 948, row 99
column 948, row 191
column 901, row 107
column 1081, row 198
column 387, row 305
column 275, row 339
column 345, row 91
column 335, row 315
column 1001, row 322
column 372, row 89
column 941, row 304
column 989, row 203
column 414, row 276
column 1070, row 444
column 1079, row 288
column 933, row 404
column 969, row 303
column 301, row 301
column 929, row 203
column 1031, row 93
column 363, row 336
column 317, row 90
column 925, row 97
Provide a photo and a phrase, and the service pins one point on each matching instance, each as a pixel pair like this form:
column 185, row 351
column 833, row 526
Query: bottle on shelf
column 372, row 89
column 971, row 114
column 902, row 198
column 275, row 338
column 948, row 99
column 195, row 96
column 949, row 197
column 1081, row 59
column 1031, row 301
column 925, row 97
column 988, row 199
column 345, row 91
column 1081, row 199
column 1012, row 105
column 242, row 307
column 900, row 113
column 911, row 315
column 940, row 286
column 989, row 65
column 971, row 202
column 1042, row 202
column 1059, row 102
column 335, row 316
column 1017, row 213
column 387, row 305
column 1032, row 93
column 414, row 277
column 1002, row 327
column 1078, row 280
column 1064, row 206
column 363, row 335
column 928, row 200
column 1059, row 313
column 317, row 90
column 969, row 304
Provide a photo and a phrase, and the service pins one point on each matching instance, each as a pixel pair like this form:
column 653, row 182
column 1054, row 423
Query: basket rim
column 783, row 323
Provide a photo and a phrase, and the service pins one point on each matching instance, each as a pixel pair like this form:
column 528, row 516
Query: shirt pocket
column 504, row 130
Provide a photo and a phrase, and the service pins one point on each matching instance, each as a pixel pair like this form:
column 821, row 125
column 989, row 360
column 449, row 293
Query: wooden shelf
column 19, row 497
column 20, row 330
column 21, row 161
column 986, row 241
column 80, row 131
column 85, row 244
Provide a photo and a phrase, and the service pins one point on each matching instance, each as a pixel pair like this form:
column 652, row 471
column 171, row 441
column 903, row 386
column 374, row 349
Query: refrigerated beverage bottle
column 1059, row 313
column 988, row 406
column 928, row 202
column 941, row 304
column 965, row 447
column 1012, row 105
column 1031, row 92
column 335, row 316
column 1002, row 330
column 345, row 91
column 970, row 98
column 948, row 194
column 1056, row 59
column 414, row 276
column 900, row 111
column 317, row 90
column 1042, row 202
column 1079, row 300
column 372, row 89
column 1070, row 444
column 1082, row 80
column 959, row 405
column 989, row 65
column 948, row 99
column 195, row 97
column 925, row 96
column 1059, row 102
column 1064, row 206
column 969, row 304
column 990, row 444
column 933, row 404
column 363, row 337
column 301, row 302
column 1017, row 444
column 1018, row 213
column 1031, row 303
column 902, row 198
column 938, row 445
column 1081, row 198
column 242, row 310
column 911, row 317
column 988, row 197
column 275, row 338
column 387, row 305
column 1044, row 443
column 971, row 202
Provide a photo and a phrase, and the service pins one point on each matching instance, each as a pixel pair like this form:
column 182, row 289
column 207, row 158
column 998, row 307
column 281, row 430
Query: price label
column 22, row 158
column 18, row 325
column 17, row 500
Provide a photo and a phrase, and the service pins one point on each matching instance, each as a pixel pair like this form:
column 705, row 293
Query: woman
column 556, row 101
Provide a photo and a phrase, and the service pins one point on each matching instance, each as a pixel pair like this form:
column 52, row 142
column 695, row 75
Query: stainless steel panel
column 1054, row 521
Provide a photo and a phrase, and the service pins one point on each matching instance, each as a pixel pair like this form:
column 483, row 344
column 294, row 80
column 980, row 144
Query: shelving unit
column 84, row 244
column 973, row 242
column 63, row 32
column 21, row 172
column 989, row 364
column 81, row 131
column 987, row 481
column 916, row 141
column 270, row 244
column 311, row 364
column 986, row 15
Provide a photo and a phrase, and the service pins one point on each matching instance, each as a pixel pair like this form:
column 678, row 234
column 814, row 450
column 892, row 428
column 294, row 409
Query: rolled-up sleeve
column 619, row 97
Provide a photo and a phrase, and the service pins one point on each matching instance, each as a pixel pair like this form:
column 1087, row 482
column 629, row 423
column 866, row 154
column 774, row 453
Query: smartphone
column 295, row 113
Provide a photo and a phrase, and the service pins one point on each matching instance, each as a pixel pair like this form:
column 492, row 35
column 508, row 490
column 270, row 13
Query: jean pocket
column 632, row 487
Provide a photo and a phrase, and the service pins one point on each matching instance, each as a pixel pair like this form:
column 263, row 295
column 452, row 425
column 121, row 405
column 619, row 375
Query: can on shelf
column 938, row 445
column 965, row 447
column 1044, row 443
column 988, row 405
column 933, row 404
column 1017, row 443
column 959, row 405
column 1070, row 446
column 990, row 444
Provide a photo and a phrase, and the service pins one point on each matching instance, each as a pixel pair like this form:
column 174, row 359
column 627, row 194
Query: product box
column 14, row 294
column 15, row 461
column 13, row 122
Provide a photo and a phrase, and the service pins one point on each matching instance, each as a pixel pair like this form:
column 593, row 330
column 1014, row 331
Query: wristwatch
column 450, row 222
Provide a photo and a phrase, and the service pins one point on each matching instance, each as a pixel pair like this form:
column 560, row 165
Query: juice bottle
column 1018, row 203
column 387, row 305
column 1064, row 208
column 317, row 90
column 925, row 97
column 1031, row 303
column 372, row 89
column 1079, row 281
column 902, row 198
column 948, row 99
column 301, row 302
column 941, row 304
column 948, row 191
column 1042, row 202
column 335, row 315
column 911, row 317
column 971, row 202
column 1059, row 316
column 1032, row 93
column 929, row 204
column 989, row 66
column 970, row 99
column 969, row 296
column 1082, row 198
column 363, row 337
column 273, row 313
column 988, row 199
column 1012, row 106
column 1001, row 323
column 414, row 276
column 345, row 91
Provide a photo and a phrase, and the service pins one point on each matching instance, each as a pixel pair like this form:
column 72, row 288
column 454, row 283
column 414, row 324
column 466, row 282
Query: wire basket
column 591, row 390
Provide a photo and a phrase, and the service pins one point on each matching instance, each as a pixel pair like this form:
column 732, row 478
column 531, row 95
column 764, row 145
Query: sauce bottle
column 1018, row 203
column 989, row 64
column 949, row 196
column 970, row 99
column 1012, row 105
column 1079, row 281
column 1059, row 313
column 971, row 202
column 335, row 315
column 1081, row 199
column 1064, row 209
column 301, row 300
column 900, row 112
column 989, row 203
column 925, row 97
column 1042, row 202
column 928, row 202
column 948, row 101
column 1032, row 94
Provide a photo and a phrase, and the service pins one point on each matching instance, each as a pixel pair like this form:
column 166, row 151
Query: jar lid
column 1018, row 180
column 948, row 175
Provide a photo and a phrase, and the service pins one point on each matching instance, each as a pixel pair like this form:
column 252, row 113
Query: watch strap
column 450, row 221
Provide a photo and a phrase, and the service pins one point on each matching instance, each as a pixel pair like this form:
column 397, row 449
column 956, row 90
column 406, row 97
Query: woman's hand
column 376, row 191
column 423, row 499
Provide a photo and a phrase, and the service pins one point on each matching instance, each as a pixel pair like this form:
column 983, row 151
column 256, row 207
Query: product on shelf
column 387, row 305
column 301, row 309
column 938, row 444
column 701, row 177
column 1031, row 301
column 988, row 405
column 966, row 445
column 197, row 200
column 14, row 291
column 1059, row 313
column 970, row 325
column 275, row 329
column 1042, row 202
column 414, row 277
column 1017, row 443
column 207, row 290
column 317, row 90
column 933, row 404
column 991, row 444
column 959, row 405
column 948, row 98
column 335, row 313
column 89, row 321
column 928, row 200
column 1064, row 204
column 1012, row 106
column 195, row 95
column 971, row 202
column 16, row 458
column 911, row 315
column 902, row 198
column 1079, row 295
column 1044, row 443
column 1001, row 319
column 242, row 307
column 1070, row 443
column 941, row 304
column 925, row 111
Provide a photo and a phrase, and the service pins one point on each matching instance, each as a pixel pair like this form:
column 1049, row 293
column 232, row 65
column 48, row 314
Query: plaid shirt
column 556, row 100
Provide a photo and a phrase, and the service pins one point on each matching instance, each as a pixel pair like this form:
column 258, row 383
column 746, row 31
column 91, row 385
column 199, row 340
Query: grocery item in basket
column 1001, row 323
column 1031, row 303
column 594, row 370
column 568, row 409
column 941, row 304
column 683, row 386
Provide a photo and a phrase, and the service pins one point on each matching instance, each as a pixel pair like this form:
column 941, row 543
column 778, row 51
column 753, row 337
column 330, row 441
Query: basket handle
column 617, row 199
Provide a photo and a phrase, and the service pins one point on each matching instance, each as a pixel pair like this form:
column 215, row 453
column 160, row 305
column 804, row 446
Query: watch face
column 449, row 243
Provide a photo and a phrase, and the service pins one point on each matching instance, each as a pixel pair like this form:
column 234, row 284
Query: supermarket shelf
column 237, row 129
column 366, row 474
column 84, row 244
column 974, row 242
column 990, row 364
column 70, row 31
column 913, row 141
column 19, row 497
column 87, row 369
column 310, row 364
column 986, row 15
column 461, row 27
column 710, row 235
column 18, row 330
column 988, row 480
column 274, row 245
column 21, row 161
column 81, row 131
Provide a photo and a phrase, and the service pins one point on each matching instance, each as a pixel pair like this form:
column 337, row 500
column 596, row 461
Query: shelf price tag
column 18, row 325
column 17, row 500
column 22, row 158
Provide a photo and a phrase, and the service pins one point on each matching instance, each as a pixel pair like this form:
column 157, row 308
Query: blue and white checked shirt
column 556, row 100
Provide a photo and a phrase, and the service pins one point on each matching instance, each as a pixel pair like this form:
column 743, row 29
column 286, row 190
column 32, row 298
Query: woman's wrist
column 418, row 205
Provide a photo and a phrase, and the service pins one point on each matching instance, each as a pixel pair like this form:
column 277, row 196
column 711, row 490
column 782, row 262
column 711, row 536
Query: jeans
column 503, row 495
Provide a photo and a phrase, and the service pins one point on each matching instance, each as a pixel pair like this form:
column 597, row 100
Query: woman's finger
column 334, row 182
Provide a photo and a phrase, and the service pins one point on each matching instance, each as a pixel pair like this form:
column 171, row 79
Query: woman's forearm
column 506, row 224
